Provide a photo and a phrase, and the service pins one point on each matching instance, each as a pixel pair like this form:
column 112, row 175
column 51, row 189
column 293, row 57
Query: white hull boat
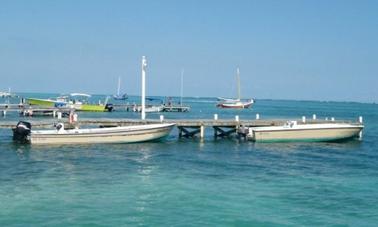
column 306, row 132
column 121, row 134
column 235, row 103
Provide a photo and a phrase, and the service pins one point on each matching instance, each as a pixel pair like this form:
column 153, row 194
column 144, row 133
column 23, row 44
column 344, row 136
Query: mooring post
column 59, row 115
column 257, row 116
column 314, row 117
column 332, row 119
column 54, row 113
column 304, row 119
column 202, row 131
column 161, row 118
column 216, row 117
column 144, row 65
column 360, row 120
column 237, row 118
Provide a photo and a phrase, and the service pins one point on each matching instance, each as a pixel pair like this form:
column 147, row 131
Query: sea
column 194, row 182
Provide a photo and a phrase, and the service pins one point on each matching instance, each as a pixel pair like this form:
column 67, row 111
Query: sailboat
column 4, row 94
column 235, row 103
column 118, row 96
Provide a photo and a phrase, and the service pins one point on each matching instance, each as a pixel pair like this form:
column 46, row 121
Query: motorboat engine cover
column 21, row 132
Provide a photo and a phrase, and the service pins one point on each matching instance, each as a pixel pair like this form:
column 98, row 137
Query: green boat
column 77, row 101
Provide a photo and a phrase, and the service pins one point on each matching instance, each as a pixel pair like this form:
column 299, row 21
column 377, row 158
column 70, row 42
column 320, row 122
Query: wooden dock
column 187, row 128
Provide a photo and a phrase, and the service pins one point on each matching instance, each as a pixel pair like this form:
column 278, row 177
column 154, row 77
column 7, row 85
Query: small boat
column 77, row 101
column 7, row 94
column 58, row 102
column 118, row 96
column 235, row 103
column 292, row 131
column 121, row 134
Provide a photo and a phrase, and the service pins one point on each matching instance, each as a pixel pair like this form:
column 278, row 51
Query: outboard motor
column 109, row 107
column 22, row 132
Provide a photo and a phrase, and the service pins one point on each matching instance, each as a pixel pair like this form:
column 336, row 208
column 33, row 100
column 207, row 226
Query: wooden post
column 202, row 132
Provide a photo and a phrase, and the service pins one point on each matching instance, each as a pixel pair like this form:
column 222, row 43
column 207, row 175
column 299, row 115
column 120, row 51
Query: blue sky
column 303, row 50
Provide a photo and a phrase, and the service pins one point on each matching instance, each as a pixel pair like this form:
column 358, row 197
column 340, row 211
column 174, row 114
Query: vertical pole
column 144, row 65
column 182, row 86
column 257, row 116
column 303, row 119
column 237, row 118
column 314, row 117
column 238, row 81
column 202, row 131
column 161, row 118
column 360, row 120
column 216, row 117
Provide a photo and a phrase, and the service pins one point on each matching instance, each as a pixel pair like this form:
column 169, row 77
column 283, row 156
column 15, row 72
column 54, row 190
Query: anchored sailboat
column 118, row 96
column 235, row 103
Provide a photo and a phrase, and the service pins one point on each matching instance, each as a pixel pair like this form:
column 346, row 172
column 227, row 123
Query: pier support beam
column 185, row 132
column 219, row 132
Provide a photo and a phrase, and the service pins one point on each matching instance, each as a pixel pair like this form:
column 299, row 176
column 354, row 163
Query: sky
column 301, row 50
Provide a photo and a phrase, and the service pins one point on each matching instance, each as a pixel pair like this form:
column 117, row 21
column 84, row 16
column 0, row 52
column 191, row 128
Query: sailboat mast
column 238, row 81
column 182, row 86
column 119, row 85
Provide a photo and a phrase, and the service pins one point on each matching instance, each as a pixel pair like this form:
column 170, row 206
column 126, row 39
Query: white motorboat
column 120, row 134
column 305, row 132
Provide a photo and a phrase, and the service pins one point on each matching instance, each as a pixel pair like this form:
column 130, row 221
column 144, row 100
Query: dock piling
column 257, row 116
column 304, row 119
column 216, row 117
column 314, row 117
column 161, row 118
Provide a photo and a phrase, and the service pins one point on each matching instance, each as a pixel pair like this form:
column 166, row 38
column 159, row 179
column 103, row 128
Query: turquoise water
column 186, row 182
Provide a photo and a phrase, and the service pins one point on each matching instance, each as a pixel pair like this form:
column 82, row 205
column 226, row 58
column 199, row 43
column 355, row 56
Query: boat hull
column 126, row 134
column 93, row 108
column 240, row 105
column 40, row 102
column 329, row 133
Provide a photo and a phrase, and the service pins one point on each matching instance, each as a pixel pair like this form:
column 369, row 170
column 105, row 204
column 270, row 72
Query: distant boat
column 118, row 96
column 77, row 101
column 6, row 94
column 155, row 105
column 121, row 134
column 50, row 102
column 306, row 132
column 235, row 103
